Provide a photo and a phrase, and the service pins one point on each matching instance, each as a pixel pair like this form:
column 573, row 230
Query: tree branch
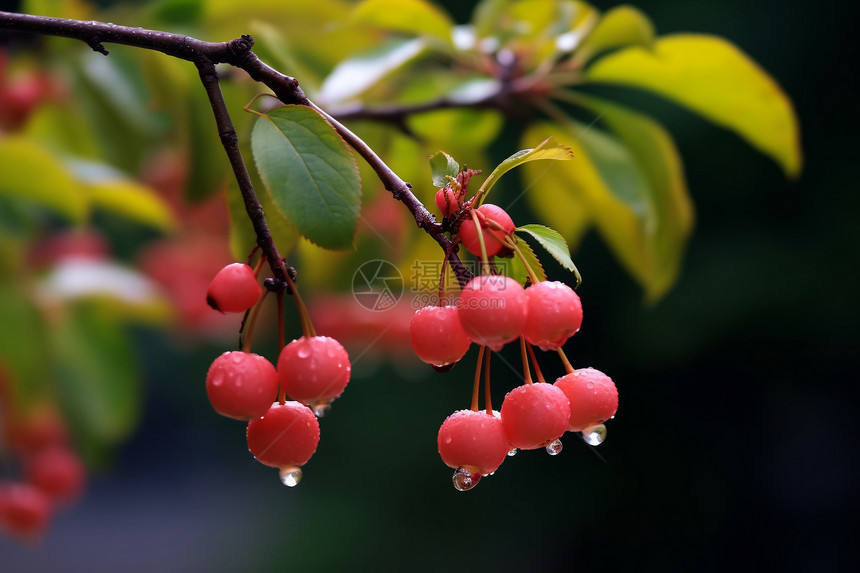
column 238, row 54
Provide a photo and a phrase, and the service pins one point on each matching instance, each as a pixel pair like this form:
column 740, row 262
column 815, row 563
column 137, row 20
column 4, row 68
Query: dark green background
column 735, row 446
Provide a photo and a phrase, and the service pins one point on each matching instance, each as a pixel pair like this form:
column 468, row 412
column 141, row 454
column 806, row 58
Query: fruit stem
column 535, row 364
column 485, row 269
column 512, row 243
column 570, row 369
column 249, row 335
column 526, row 372
column 304, row 317
column 259, row 263
column 477, row 379
column 488, row 403
column 442, row 276
column 281, row 339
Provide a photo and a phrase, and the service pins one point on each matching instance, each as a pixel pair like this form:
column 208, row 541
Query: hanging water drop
column 321, row 410
column 594, row 435
column 290, row 475
column 554, row 448
column 512, row 452
column 464, row 480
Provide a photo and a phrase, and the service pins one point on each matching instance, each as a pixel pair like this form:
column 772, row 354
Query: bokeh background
column 735, row 446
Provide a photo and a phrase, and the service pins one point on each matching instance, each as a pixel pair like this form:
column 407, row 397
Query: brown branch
column 238, row 54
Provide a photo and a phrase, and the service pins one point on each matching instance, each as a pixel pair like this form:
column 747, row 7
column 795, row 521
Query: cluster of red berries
column 311, row 371
column 491, row 311
column 52, row 475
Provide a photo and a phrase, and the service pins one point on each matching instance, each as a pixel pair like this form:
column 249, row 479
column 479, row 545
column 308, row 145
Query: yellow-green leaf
column 545, row 150
column 34, row 174
column 113, row 191
column 623, row 229
column 410, row 16
column 669, row 202
column 620, row 26
column 714, row 78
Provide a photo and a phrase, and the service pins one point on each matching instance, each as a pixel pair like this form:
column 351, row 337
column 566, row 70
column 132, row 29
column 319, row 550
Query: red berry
column 437, row 336
column 314, row 370
column 593, row 397
column 446, row 201
column 535, row 415
column 57, row 472
column 555, row 314
column 493, row 238
column 287, row 435
column 234, row 289
column 241, row 385
column 493, row 310
column 474, row 441
column 24, row 510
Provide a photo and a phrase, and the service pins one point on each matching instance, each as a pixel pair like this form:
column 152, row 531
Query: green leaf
column 712, row 77
column 443, row 166
column 32, row 173
column 669, row 203
column 555, row 245
column 96, row 375
column 542, row 151
column 515, row 268
column 408, row 16
column 113, row 191
column 629, row 231
column 620, row 26
column 112, row 93
column 22, row 347
column 310, row 173
column 353, row 76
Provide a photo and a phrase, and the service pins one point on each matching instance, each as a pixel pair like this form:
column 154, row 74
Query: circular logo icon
column 377, row 285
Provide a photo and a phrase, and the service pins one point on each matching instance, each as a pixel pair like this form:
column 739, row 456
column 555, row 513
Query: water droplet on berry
column 236, row 358
column 443, row 368
column 590, row 385
column 594, row 435
column 512, row 452
column 464, row 480
column 290, row 475
column 554, row 448
column 321, row 410
column 303, row 351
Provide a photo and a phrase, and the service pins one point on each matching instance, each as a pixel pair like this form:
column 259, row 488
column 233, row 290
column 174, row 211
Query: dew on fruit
column 594, row 435
column 443, row 368
column 464, row 480
column 512, row 452
column 554, row 448
column 321, row 410
column 304, row 351
column 290, row 475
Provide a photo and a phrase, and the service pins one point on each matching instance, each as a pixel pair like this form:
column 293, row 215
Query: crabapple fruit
column 24, row 510
column 233, row 289
column 593, row 397
column 555, row 314
column 313, row 370
column 535, row 415
column 287, row 435
column 437, row 336
column 241, row 385
column 492, row 310
column 446, row 201
column 57, row 472
column 473, row 441
column 494, row 239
